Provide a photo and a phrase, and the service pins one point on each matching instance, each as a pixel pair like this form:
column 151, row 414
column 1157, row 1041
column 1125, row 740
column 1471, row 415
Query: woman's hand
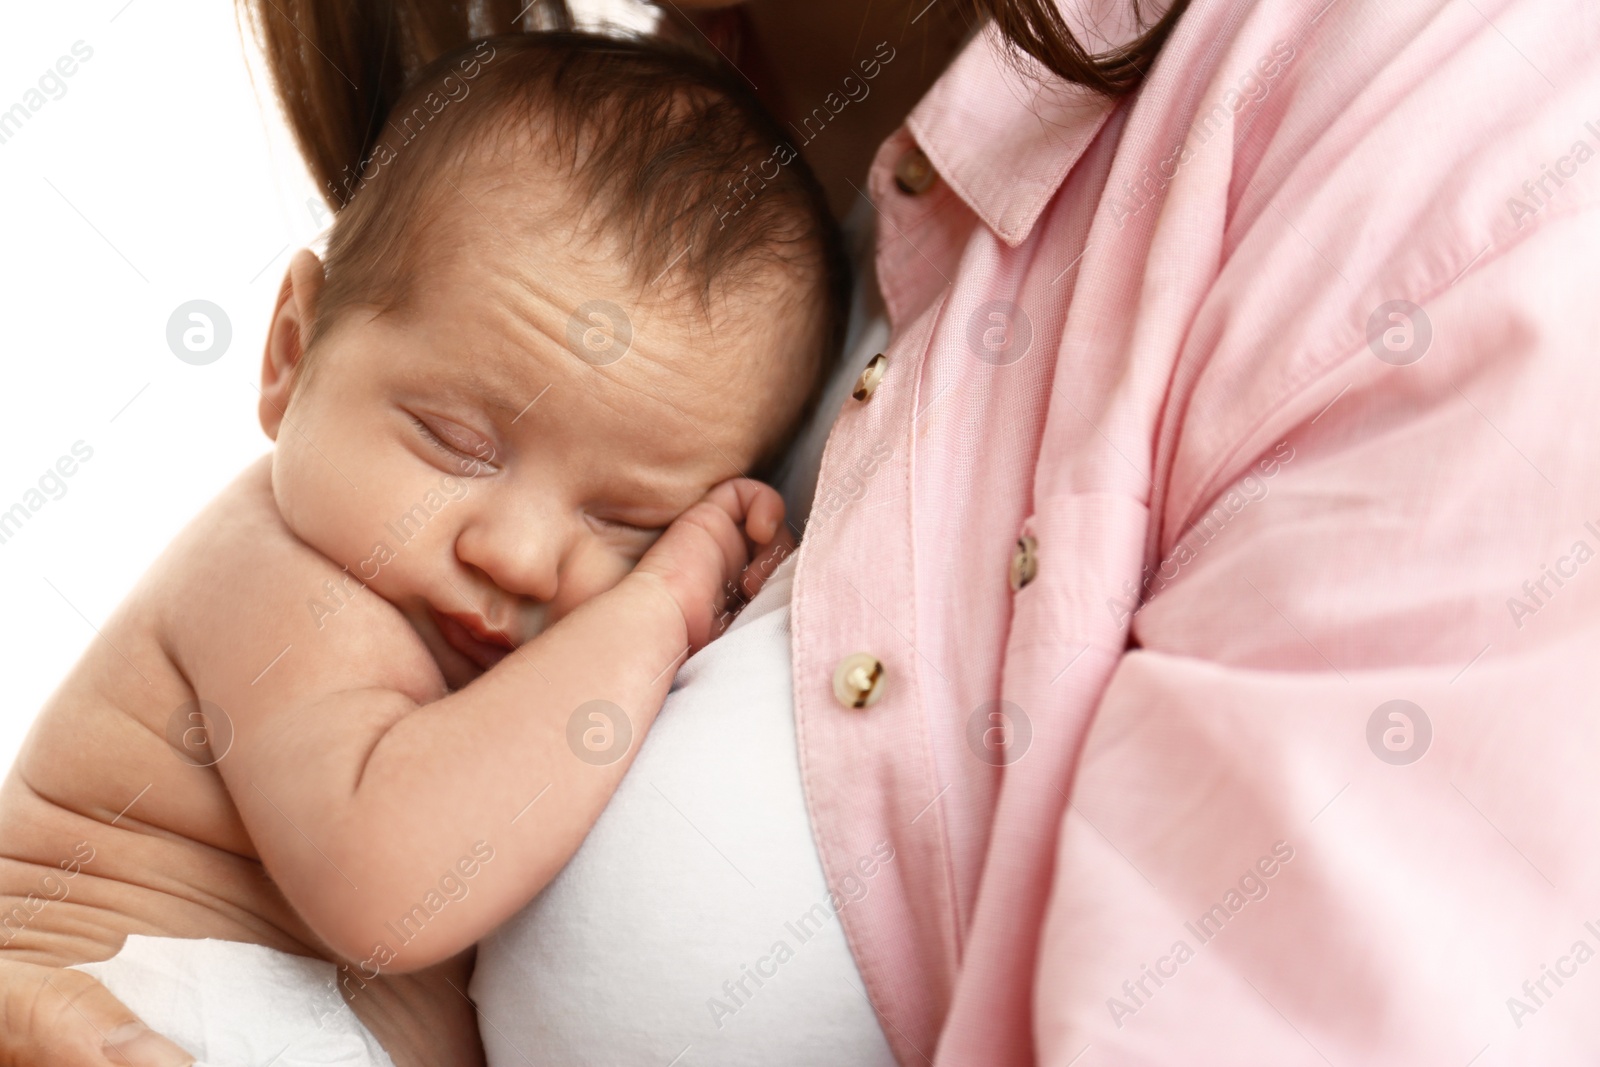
column 59, row 1018
column 705, row 555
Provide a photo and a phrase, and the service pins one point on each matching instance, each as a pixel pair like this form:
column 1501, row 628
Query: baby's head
column 577, row 283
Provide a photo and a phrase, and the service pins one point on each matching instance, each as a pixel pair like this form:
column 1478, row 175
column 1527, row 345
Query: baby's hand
column 702, row 554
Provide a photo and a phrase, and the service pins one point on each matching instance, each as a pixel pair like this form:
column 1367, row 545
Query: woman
column 1222, row 485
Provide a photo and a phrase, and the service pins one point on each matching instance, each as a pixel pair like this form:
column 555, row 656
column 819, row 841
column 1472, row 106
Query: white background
column 162, row 175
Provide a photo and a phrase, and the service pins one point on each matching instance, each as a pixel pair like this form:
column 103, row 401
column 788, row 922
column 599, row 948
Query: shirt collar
column 1004, row 133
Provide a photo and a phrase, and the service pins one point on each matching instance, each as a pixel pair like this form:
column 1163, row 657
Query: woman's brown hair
column 339, row 66
column 1037, row 28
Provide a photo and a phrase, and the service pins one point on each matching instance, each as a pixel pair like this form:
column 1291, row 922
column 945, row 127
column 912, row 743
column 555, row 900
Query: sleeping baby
column 371, row 700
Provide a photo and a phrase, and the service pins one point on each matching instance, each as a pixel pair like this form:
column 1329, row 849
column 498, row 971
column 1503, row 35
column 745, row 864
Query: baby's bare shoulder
column 237, row 594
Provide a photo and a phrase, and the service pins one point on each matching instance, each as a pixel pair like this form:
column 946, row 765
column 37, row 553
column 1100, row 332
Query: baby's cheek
column 398, row 574
column 596, row 568
column 310, row 507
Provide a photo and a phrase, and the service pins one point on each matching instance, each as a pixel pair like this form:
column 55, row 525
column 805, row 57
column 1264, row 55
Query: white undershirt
column 687, row 929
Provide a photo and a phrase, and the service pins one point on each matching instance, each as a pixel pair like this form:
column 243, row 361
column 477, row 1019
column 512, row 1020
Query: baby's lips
column 470, row 637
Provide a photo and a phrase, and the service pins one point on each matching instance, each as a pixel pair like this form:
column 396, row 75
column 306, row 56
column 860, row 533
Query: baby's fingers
column 765, row 562
column 764, row 515
column 753, row 505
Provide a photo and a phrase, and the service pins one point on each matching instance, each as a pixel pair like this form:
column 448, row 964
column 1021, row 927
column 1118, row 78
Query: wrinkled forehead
column 509, row 321
column 548, row 251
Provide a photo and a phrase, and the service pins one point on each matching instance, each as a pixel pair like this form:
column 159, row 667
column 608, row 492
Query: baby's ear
column 286, row 337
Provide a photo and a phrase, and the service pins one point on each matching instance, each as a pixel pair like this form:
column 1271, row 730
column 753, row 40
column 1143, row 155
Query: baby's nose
column 521, row 558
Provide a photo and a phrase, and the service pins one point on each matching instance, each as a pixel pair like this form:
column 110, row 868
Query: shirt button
column 871, row 375
column 1024, row 563
column 859, row 680
column 913, row 174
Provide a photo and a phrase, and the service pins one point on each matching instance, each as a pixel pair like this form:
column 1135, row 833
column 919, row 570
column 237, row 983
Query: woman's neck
column 800, row 55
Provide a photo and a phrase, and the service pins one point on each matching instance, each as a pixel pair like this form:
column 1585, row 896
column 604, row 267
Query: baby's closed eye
column 643, row 527
column 457, row 442
column 651, row 527
column 633, row 536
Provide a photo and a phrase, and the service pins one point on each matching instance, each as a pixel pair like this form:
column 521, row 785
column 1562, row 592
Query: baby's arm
column 368, row 797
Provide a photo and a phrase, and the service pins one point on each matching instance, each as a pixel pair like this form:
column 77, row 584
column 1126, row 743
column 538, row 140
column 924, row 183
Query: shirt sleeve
column 1334, row 804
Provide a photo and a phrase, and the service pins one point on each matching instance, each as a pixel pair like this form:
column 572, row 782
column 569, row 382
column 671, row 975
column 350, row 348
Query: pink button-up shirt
column 1291, row 367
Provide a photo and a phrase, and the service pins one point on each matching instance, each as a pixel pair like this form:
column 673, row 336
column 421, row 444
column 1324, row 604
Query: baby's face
column 466, row 465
